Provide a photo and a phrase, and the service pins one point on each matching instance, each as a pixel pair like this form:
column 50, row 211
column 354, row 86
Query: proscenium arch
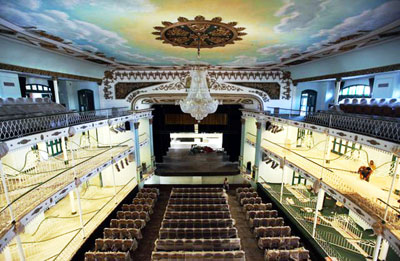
column 183, row 95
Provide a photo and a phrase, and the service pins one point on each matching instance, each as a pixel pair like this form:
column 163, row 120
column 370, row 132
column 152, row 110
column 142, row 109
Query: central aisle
column 247, row 239
column 153, row 227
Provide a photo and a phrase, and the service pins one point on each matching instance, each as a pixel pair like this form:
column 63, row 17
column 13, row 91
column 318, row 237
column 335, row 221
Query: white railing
column 16, row 128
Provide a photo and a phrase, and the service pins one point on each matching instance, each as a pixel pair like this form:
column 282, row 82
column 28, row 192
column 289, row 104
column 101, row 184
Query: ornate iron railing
column 16, row 128
column 373, row 126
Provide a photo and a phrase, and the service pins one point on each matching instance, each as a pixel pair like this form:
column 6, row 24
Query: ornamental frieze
column 122, row 89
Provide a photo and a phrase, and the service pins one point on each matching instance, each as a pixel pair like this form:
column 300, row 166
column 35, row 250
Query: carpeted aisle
column 150, row 232
column 248, row 241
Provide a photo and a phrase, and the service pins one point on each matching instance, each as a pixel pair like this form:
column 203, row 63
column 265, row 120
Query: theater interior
column 200, row 130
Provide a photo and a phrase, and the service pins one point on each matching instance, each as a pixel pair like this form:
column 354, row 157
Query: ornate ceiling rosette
column 199, row 33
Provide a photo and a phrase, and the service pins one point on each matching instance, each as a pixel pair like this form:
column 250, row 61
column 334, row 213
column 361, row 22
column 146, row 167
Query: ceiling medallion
column 199, row 33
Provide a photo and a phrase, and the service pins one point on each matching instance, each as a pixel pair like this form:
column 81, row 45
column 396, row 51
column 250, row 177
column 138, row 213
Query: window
column 355, row 91
column 343, row 146
column 308, row 101
column 54, row 147
column 38, row 91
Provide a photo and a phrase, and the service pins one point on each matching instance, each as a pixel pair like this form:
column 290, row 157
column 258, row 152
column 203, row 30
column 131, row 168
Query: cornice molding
column 387, row 68
column 22, row 69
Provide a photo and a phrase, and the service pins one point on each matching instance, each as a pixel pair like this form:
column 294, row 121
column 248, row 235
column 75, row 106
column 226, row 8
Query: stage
column 179, row 162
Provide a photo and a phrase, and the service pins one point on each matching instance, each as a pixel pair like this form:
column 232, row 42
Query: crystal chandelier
column 199, row 102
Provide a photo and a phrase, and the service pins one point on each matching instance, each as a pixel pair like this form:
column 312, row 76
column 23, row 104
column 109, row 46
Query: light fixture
column 198, row 102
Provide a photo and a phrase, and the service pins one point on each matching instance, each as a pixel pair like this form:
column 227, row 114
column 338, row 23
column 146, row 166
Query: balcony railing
column 36, row 187
column 373, row 126
column 16, row 128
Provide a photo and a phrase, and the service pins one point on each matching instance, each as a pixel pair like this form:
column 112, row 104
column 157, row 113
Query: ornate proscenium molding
column 264, row 83
column 273, row 89
column 199, row 33
column 123, row 89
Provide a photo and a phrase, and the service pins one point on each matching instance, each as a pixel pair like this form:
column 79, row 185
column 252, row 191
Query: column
column 292, row 102
column 72, row 202
column 78, row 196
column 282, row 166
column 137, row 152
column 242, row 141
column 21, row 253
column 318, row 206
column 258, row 150
column 56, row 94
column 337, row 90
column 384, row 250
column 379, row 238
column 153, row 163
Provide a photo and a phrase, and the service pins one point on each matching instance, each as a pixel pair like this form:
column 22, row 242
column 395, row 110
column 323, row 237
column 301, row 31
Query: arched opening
column 85, row 100
column 308, row 102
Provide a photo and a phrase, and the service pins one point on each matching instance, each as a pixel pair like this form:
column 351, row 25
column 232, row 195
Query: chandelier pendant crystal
column 198, row 102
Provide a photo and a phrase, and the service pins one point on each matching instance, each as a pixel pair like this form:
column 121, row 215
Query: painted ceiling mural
column 275, row 29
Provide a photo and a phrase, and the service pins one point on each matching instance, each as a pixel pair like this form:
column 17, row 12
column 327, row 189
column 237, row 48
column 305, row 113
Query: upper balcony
column 23, row 117
column 382, row 129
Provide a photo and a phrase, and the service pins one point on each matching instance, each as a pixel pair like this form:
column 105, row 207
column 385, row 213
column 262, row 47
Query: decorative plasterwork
column 273, row 89
column 15, row 68
column 122, row 89
column 388, row 68
column 199, row 33
column 178, row 80
column 173, row 98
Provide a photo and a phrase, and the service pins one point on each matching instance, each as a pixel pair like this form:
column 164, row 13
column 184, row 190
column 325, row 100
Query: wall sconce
column 122, row 164
column 117, row 167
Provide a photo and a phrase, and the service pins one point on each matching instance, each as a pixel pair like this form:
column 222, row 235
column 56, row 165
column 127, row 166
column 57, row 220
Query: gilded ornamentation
column 199, row 33
column 273, row 89
column 122, row 89
column 132, row 95
column 263, row 95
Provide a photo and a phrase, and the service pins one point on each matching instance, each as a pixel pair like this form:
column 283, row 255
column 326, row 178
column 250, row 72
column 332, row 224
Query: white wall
column 369, row 57
column 325, row 91
column 16, row 53
column 7, row 91
column 68, row 91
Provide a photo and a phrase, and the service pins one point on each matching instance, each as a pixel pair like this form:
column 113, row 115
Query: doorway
column 86, row 100
column 308, row 102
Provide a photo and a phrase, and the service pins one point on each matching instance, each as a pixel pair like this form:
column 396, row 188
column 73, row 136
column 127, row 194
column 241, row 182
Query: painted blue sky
column 275, row 28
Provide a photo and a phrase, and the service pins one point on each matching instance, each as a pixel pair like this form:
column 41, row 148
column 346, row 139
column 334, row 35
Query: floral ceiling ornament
column 199, row 33
column 199, row 102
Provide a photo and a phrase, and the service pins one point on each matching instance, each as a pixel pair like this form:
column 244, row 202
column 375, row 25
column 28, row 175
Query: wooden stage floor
column 179, row 162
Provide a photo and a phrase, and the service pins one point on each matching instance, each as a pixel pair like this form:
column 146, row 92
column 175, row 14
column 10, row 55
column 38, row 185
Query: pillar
column 282, row 166
column 337, row 91
column 72, row 202
column 137, row 152
column 379, row 238
column 56, row 94
column 21, row 253
column 292, row 102
column 258, row 150
column 318, row 206
column 153, row 164
column 78, row 196
column 384, row 250
column 242, row 141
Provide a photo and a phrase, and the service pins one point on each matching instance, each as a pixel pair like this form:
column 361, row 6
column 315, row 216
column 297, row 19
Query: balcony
column 385, row 128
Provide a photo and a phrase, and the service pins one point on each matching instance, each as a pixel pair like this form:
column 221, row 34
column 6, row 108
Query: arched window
column 355, row 91
column 308, row 102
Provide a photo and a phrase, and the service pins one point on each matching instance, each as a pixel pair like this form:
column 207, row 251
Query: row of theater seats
column 122, row 237
column 197, row 225
column 272, row 234
column 11, row 108
column 368, row 106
